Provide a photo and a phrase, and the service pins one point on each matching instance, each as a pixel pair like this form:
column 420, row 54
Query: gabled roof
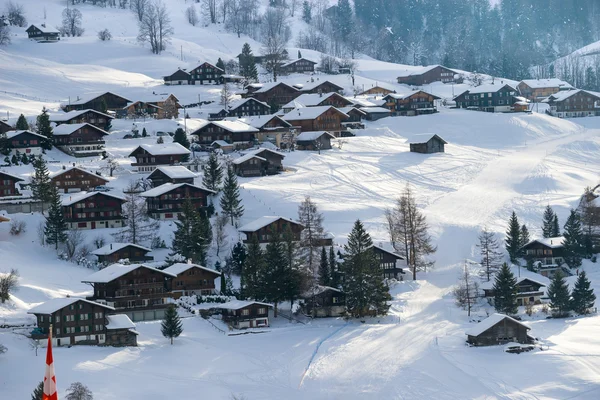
column 264, row 221
column 179, row 71
column 69, row 129
column 65, row 117
column 312, row 135
column 553, row 242
column 119, row 321
column 221, row 143
column 243, row 159
column 373, row 110
column 236, row 126
column 209, row 64
column 547, row 83
column 349, row 109
column 490, row 322
column 238, row 304
column 62, row 171
column 114, row 247
column 51, row 306
column 303, row 113
column 115, row 271
column 178, row 268
column 311, row 100
column 43, row 29
column 77, row 197
column 240, row 103
column 565, row 94
column 417, row 70
column 162, row 149
column 174, row 172
column 361, row 101
column 488, row 88
column 16, row 178
column 265, row 87
column 5, row 124
column 401, row 96
column 489, row 285
column 296, row 60
column 12, row 134
column 263, row 150
column 434, row 137
column 258, row 121
column 157, row 98
column 307, row 87
column 90, row 97
column 168, row 187
column 398, row 256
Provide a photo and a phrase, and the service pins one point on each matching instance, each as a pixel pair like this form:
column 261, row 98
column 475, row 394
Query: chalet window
column 41, row 318
column 57, row 319
column 262, row 310
column 57, row 331
column 98, row 315
column 71, row 307
column 245, row 312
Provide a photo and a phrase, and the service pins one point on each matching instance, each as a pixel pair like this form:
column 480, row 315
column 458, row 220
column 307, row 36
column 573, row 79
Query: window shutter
column 65, row 318
column 64, row 330
column 90, row 316
column 77, row 329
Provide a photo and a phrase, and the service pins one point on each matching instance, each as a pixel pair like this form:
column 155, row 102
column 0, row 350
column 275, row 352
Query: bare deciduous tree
column 139, row 227
column 275, row 54
column 191, row 15
column 312, row 235
column 8, row 284
column 209, row 8
column 74, row 240
column 4, row 35
column 226, row 97
column 104, row 35
column 78, row 391
column 71, row 22
column 15, row 14
column 139, row 8
column 155, row 26
column 111, row 166
column 466, row 292
column 220, row 234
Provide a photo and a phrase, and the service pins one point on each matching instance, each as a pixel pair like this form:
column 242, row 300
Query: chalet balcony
column 96, row 218
column 530, row 294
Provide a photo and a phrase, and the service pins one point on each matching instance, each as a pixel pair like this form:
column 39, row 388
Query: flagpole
column 50, row 392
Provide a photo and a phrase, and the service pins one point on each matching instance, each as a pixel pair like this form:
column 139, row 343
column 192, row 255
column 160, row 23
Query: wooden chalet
column 79, row 140
column 354, row 114
column 388, row 263
column 137, row 290
column 8, row 184
column 99, row 102
column 240, row 314
column 300, row 65
column 489, row 98
column 223, row 146
column 321, row 118
column 376, row 90
column 271, row 128
column 375, row 113
column 91, row 117
column 275, row 94
column 42, row 34
column 258, row 163
column 317, row 99
column 264, row 227
column 548, row 255
column 179, row 77
column 316, row 86
column 93, row 210
column 498, row 329
column 5, row 127
column 243, row 108
column 77, row 321
column 192, row 279
column 418, row 76
column 235, row 132
column 26, row 142
column 529, row 291
column 574, row 103
column 75, row 179
column 140, row 109
column 324, row 301
column 410, row 104
column 434, row 145
column 315, row 140
column 167, row 105
column 539, row 89
column 150, row 156
column 114, row 252
column 166, row 201
column 205, row 73
column 171, row 174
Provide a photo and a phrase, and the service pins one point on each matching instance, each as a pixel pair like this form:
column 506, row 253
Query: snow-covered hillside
column 493, row 164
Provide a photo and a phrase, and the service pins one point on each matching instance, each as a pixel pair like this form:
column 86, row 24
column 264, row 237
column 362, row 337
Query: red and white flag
column 50, row 392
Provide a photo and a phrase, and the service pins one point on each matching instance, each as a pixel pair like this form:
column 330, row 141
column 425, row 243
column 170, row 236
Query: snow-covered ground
column 493, row 164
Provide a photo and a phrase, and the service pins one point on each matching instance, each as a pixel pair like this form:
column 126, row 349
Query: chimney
column 73, row 164
column 189, row 261
column 64, row 167
column 550, row 242
column 111, row 246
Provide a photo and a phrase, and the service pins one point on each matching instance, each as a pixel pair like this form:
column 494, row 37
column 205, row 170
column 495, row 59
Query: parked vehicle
column 101, row 188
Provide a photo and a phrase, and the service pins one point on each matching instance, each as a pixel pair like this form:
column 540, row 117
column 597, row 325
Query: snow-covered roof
column 373, row 110
column 44, row 29
column 318, row 289
column 243, row 159
column 565, row 94
column 63, row 171
column 489, row 285
column 156, row 98
column 553, row 242
column 91, row 97
column 163, row 149
column 114, row 247
column 262, row 150
column 74, row 198
column 489, row 88
column 175, row 172
column 312, row 135
column 296, row 60
column 231, row 126
column 119, row 321
column 262, row 222
column 11, row 175
column 232, row 76
column 167, row 187
column 258, row 121
column 299, row 114
column 416, row 70
column 388, row 251
column 428, row 137
column 240, row 103
column 309, row 100
column 547, row 83
column 265, row 87
column 51, row 306
column 178, row 268
column 115, row 271
column 308, row 86
column 361, row 101
column 348, row 109
column 489, row 322
column 67, row 129
column 238, row 304
column 64, row 117
column 12, row 134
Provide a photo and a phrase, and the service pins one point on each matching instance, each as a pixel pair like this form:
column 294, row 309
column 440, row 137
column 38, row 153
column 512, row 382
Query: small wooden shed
column 434, row 145
column 498, row 329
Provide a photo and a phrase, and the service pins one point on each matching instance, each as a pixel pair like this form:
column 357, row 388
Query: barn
column 434, row 145
column 498, row 329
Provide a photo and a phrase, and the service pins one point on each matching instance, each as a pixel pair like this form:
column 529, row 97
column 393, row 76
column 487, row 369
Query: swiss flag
column 50, row 392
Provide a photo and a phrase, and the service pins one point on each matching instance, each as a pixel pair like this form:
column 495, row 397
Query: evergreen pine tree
column 160, row 140
column 555, row 227
column 213, row 173
column 548, row 222
column 573, row 246
column 56, row 227
column 524, row 239
column 223, row 289
column 247, row 64
column 558, row 293
column 363, row 283
column 583, row 296
column 513, row 238
column 193, row 234
column 231, row 203
column 333, row 272
column 44, row 128
column 252, row 268
column 273, row 276
column 38, row 392
column 171, row 326
column 238, row 258
column 24, row 159
column 144, row 132
column 220, row 64
column 306, row 11
column 22, row 124
column 324, row 271
column 489, row 249
column 181, row 138
column 14, row 160
column 41, row 186
column 505, row 291
column 292, row 283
